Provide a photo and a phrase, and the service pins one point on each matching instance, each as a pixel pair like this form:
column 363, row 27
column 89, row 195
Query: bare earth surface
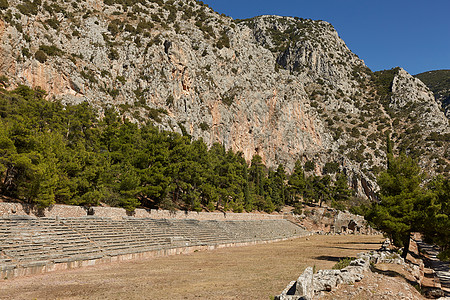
column 252, row 272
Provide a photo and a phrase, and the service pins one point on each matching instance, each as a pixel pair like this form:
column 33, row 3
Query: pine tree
column 297, row 181
column 277, row 186
column 340, row 192
column 436, row 221
column 257, row 174
column 398, row 212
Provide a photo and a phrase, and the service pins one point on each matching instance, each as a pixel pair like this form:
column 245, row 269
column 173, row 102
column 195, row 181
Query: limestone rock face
column 438, row 81
column 309, row 45
column 408, row 90
column 280, row 87
column 406, row 87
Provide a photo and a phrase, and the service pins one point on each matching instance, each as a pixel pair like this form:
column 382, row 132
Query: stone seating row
column 30, row 241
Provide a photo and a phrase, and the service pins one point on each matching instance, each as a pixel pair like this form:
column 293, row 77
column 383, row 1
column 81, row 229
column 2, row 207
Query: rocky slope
column 439, row 83
column 281, row 87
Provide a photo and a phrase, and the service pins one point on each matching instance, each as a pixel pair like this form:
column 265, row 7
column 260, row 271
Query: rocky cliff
column 284, row 88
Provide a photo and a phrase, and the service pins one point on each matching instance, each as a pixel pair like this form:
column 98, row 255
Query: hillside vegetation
column 52, row 153
column 285, row 89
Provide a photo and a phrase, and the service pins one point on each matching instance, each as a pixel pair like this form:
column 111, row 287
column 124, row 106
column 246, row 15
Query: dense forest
column 51, row 153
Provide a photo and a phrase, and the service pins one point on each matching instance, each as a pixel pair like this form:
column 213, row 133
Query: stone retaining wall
column 69, row 211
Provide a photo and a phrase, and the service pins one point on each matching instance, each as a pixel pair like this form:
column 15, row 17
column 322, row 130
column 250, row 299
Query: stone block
column 327, row 280
column 305, row 285
column 363, row 262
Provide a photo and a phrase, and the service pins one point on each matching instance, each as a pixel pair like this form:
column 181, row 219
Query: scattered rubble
column 312, row 286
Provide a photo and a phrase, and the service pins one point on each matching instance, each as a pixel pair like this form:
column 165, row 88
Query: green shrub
column 121, row 79
column 183, row 130
column 355, row 132
column 227, row 100
column 89, row 75
column 143, row 26
column 154, row 113
column 26, row 52
column 310, row 165
column 204, row 126
column 113, row 27
column 155, row 18
column 331, row 168
column 298, row 209
column 4, row 81
column 169, row 100
column 51, row 50
column 4, row 4
column 130, row 28
column 224, row 41
column 342, row 263
column 338, row 205
column 53, row 23
column 28, row 8
column 40, row 56
column 113, row 92
column 113, row 54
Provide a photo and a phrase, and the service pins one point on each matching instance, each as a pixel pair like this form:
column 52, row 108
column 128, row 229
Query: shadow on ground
column 348, row 248
column 329, row 258
column 360, row 243
column 392, row 273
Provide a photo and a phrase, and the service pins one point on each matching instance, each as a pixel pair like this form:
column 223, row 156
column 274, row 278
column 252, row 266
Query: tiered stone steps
column 27, row 242
column 41, row 241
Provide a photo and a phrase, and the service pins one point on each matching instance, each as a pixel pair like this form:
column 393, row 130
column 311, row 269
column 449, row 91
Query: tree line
column 53, row 153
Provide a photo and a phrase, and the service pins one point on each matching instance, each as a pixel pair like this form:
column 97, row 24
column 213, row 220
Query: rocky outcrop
column 410, row 91
column 438, row 82
column 311, row 286
column 284, row 88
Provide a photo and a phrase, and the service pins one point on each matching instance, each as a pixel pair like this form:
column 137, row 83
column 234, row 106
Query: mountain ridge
column 284, row 88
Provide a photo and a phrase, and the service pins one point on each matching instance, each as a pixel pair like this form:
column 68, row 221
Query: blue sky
column 411, row 34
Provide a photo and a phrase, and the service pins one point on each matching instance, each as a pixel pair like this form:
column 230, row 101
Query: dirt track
column 253, row 272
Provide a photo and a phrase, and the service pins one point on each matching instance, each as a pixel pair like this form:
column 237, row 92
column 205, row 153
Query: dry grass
column 252, row 272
